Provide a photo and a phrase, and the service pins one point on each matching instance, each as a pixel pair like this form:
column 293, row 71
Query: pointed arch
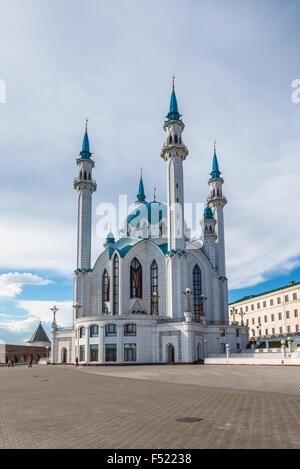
column 176, row 139
column 105, row 291
column 116, row 272
column 154, row 286
column 170, row 140
column 136, row 275
column 197, row 288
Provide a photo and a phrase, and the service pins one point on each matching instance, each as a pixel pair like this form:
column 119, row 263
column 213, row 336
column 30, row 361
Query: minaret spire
column 216, row 202
column 141, row 197
column 174, row 152
column 85, row 186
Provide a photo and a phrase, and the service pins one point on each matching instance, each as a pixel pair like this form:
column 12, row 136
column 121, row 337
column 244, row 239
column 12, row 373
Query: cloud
column 11, row 284
column 18, row 326
column 236, row 90
column 41, row 310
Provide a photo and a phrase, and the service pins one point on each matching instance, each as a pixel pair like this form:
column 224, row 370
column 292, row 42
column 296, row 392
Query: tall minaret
column 85, row 186
column 174, row 152
column 209, row 235
column 216, row 201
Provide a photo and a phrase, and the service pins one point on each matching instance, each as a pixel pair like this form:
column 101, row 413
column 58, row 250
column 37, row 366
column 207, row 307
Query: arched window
column 197, row 289
column 105, row 291
column 80, row 175
column 110, row 330
column 116, row 285
column 135, row 279
column 170, row 139
column 84, row 177
column 94, row 331
column 82, row 332
column 176, row 139
column 154, row 286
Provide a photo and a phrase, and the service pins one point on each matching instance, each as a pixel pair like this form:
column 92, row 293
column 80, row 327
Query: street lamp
column 188, row 293
column 155, row 298
column 233, row 312
column 54, row 310
column 242, row 316
column 76, row 308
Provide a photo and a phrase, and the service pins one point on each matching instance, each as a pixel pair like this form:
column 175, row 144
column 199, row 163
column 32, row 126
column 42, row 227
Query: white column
column 87, row 342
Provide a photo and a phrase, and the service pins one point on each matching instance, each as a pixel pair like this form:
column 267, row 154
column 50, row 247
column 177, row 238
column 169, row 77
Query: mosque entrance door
column 171, row 353
column 198, row 352
column 64, row 355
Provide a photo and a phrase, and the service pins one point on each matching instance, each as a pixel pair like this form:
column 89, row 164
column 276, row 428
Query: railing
column 93, row 181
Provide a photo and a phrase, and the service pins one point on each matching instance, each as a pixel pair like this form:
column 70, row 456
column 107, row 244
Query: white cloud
column 38, row 311
column 15, row 326
column 234, row 90
column 41, row 310
column 12, row 283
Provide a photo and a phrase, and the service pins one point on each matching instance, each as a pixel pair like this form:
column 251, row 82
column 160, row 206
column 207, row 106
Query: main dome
column 149, row 220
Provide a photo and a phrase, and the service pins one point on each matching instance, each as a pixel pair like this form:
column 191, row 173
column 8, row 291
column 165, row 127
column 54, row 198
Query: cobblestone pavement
column 62, row 407
column 283, row 379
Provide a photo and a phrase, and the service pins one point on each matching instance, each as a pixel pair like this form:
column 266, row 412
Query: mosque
column 153, row 295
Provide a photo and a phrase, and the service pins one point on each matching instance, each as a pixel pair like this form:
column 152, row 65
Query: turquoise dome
column 146, row 216
column 208, row 215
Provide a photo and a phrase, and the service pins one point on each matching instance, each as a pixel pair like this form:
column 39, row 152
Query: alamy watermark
column 148, row 220
column 295, row 96
column 2, row 91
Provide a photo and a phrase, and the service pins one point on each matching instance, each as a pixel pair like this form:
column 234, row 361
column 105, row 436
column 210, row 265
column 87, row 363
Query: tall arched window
column 197, row 289
column 154, row 286
column 136, row 279
column 116, row 285
column 105, row 291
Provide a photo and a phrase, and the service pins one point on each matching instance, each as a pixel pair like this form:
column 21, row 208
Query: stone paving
column 65, row 407
column 283, row 379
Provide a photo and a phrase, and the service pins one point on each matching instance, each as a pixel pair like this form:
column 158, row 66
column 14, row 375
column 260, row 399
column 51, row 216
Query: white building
column 272, row 314
column 130, row 307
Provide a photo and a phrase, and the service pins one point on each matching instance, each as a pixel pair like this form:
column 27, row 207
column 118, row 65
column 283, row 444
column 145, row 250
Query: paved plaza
column 146, row 407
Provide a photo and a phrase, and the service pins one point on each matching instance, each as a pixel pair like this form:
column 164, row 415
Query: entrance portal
column 171, row 353
column 64, row 355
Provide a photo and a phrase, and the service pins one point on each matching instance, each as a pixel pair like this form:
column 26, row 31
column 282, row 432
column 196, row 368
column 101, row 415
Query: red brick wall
column 23, row 353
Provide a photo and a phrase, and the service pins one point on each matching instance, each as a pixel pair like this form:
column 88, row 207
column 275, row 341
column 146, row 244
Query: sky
column 65, row 60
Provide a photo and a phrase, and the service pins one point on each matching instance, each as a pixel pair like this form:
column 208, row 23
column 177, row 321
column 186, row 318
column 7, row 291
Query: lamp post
column 233, row 312
column 242, row 316
column 76, row 308
column 155, row 299
column 188, row 293
column 54, row 310
column 202, row 308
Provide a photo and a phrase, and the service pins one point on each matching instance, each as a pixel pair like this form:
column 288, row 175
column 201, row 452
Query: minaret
column 85, row 186
column 174, row 152
column 141, row 197
column 216, row 201
column 209, row 235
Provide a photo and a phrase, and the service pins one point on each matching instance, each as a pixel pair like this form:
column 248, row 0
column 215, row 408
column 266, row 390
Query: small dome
column 110, row 238
column 208, row 215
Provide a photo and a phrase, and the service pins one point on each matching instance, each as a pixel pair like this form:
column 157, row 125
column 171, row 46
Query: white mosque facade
column 153, row 295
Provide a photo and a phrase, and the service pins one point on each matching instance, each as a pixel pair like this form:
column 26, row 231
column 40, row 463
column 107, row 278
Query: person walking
column 77, row 361
column 30, row 363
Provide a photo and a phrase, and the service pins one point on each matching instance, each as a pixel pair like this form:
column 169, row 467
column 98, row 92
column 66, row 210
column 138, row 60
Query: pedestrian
column 77, row 361
column 9, row 363
column 30, row 363
column 12, row 363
